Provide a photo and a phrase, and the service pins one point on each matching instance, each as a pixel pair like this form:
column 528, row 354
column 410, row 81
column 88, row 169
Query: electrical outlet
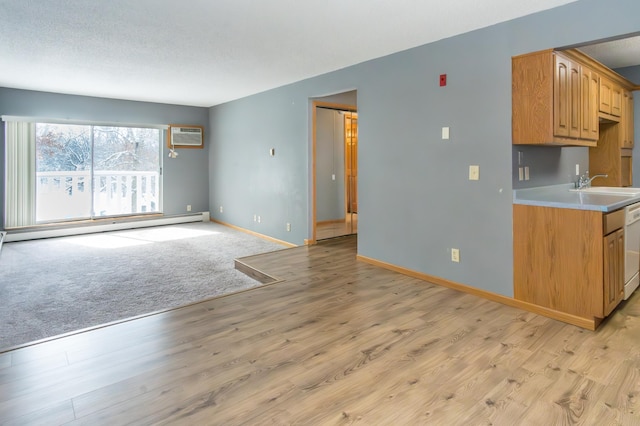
column 445, row 133
column 455, row 255
column 258, row 219
column 288, row 227
column 188, row 207
column 255, row 217
column 526, row 172
column 577, row 169
column 520, row 173
column 474, row 172
column 221, row 209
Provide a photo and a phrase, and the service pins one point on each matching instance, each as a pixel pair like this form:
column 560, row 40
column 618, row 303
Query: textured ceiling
column 620, row 53
column 206, row 52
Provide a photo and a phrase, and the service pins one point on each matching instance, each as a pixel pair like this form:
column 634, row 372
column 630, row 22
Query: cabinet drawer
column 612, row 221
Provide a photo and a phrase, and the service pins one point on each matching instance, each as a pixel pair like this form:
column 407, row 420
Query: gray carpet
column 58, row 285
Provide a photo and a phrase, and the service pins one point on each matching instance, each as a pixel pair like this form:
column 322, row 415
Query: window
column 81, row 171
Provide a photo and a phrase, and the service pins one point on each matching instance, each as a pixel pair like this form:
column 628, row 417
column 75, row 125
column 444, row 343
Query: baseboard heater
column 113, row 226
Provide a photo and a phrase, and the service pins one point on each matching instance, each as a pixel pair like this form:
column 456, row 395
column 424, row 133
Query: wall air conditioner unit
column 185, row 136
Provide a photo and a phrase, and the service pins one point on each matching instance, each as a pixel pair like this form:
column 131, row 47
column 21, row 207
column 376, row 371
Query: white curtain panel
column 20, row 188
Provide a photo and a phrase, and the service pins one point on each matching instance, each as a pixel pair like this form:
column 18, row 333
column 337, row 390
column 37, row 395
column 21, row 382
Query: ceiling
column 206, row 52
column 624, row 52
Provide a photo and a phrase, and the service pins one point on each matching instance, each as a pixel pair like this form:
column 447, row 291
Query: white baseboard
column 116, row 225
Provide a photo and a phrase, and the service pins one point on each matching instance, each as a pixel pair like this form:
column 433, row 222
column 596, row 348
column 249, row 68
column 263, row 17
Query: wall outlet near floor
column 455, row 255
column 258, row 219
column 474, row 172
column 255, row 217
column 188, row 207
column 221, row 210
column 288, row 227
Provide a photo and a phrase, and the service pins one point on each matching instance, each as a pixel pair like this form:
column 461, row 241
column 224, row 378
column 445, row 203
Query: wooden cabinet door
column 626, row 167
column 627, row 120
column 575, row 100
column 562, row 97
column 605, row 95
column 613, row 269
column 616, row 100
column 589, row 86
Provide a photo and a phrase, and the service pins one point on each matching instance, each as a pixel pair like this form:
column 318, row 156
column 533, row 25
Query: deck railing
column 68, row 195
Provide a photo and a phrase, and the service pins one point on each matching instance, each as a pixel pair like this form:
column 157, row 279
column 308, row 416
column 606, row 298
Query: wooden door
column 351, row 161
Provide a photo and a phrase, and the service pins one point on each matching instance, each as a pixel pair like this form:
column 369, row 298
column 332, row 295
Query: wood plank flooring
column 335, row 342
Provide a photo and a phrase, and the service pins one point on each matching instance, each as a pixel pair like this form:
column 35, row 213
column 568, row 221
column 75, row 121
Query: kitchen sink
column 609, row 190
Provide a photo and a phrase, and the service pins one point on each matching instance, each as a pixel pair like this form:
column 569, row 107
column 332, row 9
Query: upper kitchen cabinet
column 561, row 97
column 554, row 100
column 610, row 98
column 613, row 154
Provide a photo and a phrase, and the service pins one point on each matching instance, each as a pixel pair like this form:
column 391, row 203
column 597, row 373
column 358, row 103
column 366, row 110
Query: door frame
column 319, row 104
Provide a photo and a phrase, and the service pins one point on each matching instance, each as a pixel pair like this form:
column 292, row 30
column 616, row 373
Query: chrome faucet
column 585, row 180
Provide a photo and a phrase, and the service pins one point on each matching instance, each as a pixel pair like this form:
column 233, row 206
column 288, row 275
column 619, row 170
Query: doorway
column 335, row 170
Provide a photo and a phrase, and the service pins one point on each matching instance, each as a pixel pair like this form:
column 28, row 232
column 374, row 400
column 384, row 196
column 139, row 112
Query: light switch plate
column 455, row 255
column 445, row 133
column 474, row 172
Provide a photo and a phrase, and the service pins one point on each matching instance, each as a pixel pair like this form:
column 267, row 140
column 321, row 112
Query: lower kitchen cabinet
column 613, row 252
column 569, row 261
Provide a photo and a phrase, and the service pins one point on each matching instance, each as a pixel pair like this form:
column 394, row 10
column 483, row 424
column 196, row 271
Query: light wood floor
column 332, row 229
column 337, row 342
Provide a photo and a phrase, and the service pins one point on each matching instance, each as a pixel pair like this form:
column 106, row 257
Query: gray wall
column 415, row 199
column 548, row 165
column 633, row 74
column 185, row 179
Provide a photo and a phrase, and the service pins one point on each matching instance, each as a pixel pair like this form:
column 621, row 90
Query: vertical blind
column 20, row 143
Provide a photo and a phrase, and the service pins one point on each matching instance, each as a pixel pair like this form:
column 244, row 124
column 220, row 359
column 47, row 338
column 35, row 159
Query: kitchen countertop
column 561, row 196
